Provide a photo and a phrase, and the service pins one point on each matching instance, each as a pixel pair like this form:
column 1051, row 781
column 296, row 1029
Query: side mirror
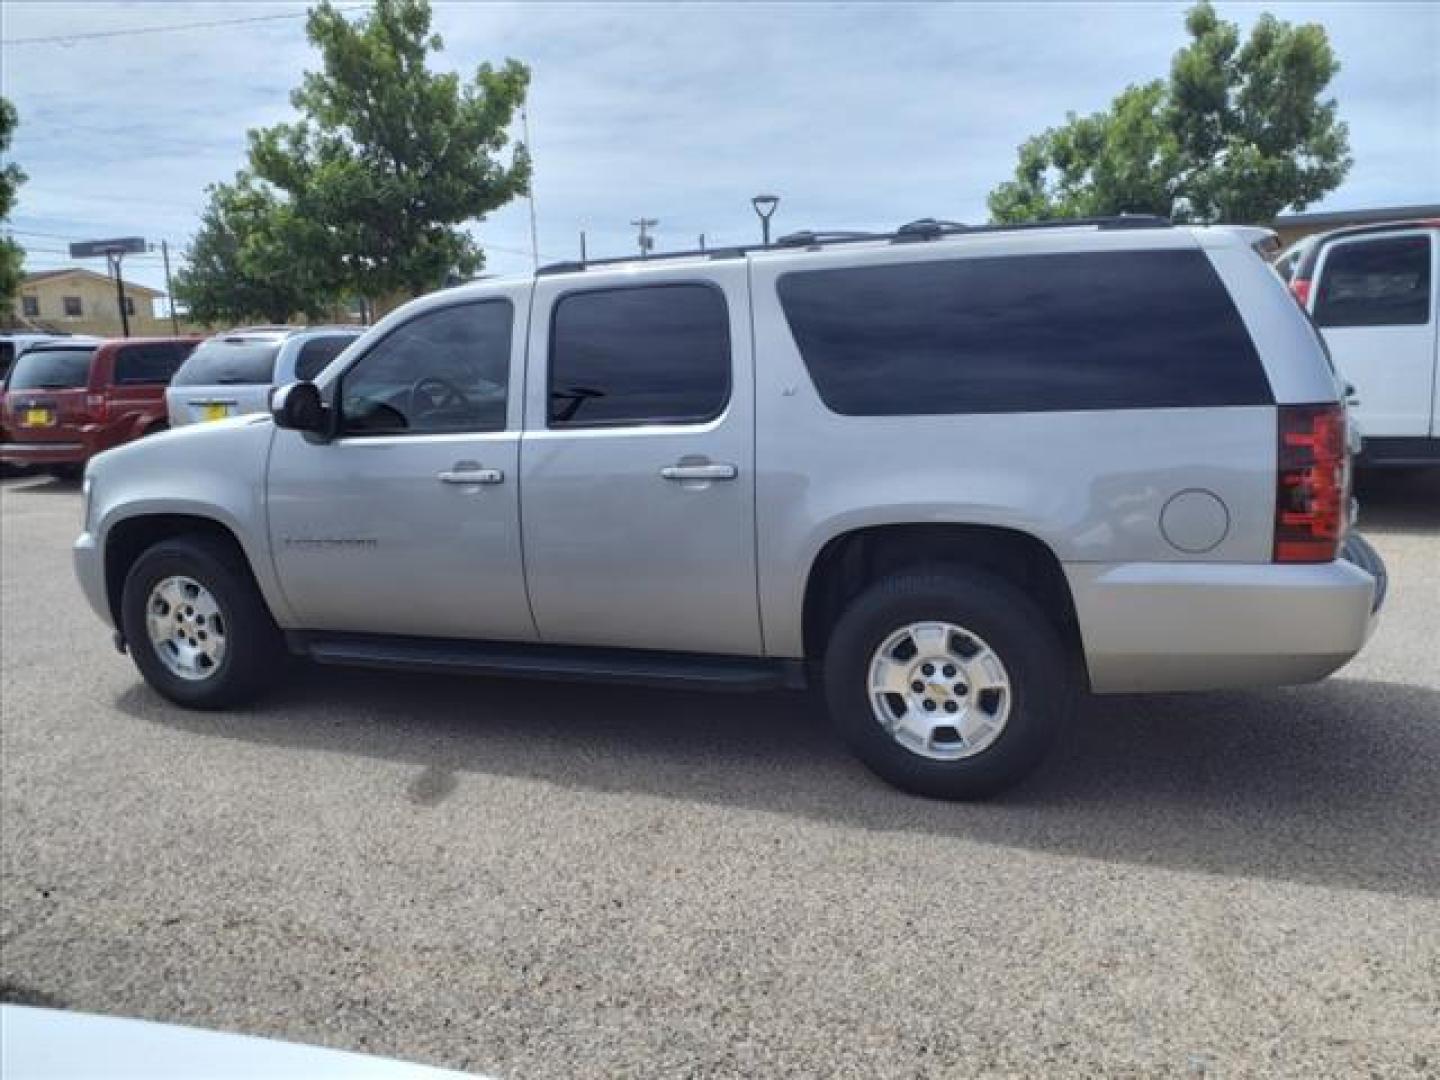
column 298, row 406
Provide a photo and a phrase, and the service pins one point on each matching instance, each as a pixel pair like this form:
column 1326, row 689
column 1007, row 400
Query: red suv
column 64, row 402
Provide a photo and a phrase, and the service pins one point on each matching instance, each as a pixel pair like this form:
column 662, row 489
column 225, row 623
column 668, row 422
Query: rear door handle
column 699, row 472
column 471, row 476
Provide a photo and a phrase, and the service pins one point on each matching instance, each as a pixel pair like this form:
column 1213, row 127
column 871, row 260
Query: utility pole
column 647, row 242
column 113, row 258
column 169, row 289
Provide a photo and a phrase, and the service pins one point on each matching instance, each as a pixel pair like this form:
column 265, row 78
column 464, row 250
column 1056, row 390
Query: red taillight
column 95, row 407
column 1312, row 488
column 1301, row 288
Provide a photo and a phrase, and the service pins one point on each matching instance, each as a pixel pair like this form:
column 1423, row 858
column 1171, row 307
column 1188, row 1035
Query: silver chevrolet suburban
column 952, row 477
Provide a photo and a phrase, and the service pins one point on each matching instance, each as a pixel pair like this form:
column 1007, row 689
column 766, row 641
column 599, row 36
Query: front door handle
column 699, row 472
column 471, row 474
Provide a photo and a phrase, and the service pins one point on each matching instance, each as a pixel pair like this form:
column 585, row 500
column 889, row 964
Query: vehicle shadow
column 1336, row 784
column 1399, row 500
column 39, row 484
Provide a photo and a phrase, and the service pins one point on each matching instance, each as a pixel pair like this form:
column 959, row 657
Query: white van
column 1372, row 290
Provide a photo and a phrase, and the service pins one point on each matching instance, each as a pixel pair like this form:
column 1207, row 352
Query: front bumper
column 90, row 570
column 1211, row 626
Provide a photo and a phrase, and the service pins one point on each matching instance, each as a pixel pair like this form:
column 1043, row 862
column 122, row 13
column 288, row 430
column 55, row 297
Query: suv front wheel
column 951, row 684
column 196, row 625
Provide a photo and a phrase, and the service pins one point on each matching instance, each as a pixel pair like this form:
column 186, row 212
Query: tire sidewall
column 1012, row 626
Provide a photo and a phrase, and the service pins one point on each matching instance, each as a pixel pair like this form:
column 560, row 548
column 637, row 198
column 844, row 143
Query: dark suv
column 65, row 402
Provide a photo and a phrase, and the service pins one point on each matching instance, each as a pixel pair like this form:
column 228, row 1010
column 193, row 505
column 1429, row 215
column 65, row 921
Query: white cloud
column 859, row 116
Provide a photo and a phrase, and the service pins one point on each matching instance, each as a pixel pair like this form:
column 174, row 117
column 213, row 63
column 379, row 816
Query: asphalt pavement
column 555, row 880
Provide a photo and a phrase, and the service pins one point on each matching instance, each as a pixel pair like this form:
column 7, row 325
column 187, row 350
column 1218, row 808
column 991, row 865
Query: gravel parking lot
column 536, row 880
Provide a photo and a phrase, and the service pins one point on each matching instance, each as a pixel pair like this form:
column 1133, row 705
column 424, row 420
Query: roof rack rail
column 811, row 237
column 920, row 229
column 572, row 266
column 930, row 229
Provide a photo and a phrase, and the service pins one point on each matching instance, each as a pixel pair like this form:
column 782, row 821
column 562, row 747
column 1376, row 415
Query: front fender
column 215, row 472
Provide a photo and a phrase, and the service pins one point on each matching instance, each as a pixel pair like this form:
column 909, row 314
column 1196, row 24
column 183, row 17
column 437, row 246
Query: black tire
column 254, row 649
column 1040, row 670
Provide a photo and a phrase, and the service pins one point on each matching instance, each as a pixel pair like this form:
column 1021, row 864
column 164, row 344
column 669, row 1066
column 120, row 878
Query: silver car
column 233, row 373
column 951, row 477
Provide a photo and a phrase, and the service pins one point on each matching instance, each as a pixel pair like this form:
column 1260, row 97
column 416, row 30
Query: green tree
column 389, row 157
column 12, row 255
column 238, row 266
column 1236, row 133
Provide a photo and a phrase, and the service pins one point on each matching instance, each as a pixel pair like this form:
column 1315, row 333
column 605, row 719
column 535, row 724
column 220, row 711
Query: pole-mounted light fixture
column 765, row 209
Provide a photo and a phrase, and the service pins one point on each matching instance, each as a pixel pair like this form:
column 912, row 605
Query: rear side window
column 149, row 364
column 316, row 354
column 1033, row 333
column 224, row 362
column 654, row 354
column 52, row 369
column 1376, row 283
column 7, row 357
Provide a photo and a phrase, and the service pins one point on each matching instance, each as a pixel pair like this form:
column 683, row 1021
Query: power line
column 47, row 235
column 95, row 197
column 66, row 39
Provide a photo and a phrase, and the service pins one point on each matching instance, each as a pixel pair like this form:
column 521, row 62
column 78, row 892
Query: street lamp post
column 765, row 208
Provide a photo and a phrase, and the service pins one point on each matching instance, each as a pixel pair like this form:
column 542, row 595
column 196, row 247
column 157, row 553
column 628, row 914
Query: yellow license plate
column 38, row 418
column 215, row 412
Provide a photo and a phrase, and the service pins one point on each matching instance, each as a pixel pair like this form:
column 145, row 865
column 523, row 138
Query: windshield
column 52, row 369
column 229, row 362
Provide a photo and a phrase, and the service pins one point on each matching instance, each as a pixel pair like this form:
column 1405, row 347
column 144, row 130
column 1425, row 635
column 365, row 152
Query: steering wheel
column 433, row 394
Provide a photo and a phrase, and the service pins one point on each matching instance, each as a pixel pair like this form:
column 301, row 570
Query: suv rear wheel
column 951, row 684
column 196, row 624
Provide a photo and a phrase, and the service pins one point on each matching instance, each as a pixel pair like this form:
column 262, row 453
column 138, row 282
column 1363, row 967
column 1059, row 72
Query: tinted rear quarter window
column 221, row 362
column 316, row 354
column 152, row 365
column 653, row 354
column 52, row 369
column 1032, row 333
column 1384, row 282
column 7, row 357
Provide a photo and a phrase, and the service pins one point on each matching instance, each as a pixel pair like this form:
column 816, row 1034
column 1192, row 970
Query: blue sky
column 859, row 116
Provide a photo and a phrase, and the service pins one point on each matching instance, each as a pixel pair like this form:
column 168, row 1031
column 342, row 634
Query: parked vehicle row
column 67, row 399
column 1374, row 292
column 950, row 476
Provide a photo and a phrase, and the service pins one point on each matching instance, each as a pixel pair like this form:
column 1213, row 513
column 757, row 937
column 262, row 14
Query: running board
column 559, row 662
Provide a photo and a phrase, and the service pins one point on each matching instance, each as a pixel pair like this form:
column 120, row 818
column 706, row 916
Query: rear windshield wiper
column 57, row 386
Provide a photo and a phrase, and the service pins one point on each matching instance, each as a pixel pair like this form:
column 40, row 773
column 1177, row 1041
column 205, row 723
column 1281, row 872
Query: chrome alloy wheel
column 939, row 690
column 186, row 627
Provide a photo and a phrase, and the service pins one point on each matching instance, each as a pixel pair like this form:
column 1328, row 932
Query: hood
column 47, row 1044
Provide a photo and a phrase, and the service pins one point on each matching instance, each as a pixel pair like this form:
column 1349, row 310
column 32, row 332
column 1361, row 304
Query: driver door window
column 443, row 371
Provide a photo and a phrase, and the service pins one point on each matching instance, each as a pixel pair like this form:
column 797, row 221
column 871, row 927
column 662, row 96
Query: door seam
column 521, row 447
